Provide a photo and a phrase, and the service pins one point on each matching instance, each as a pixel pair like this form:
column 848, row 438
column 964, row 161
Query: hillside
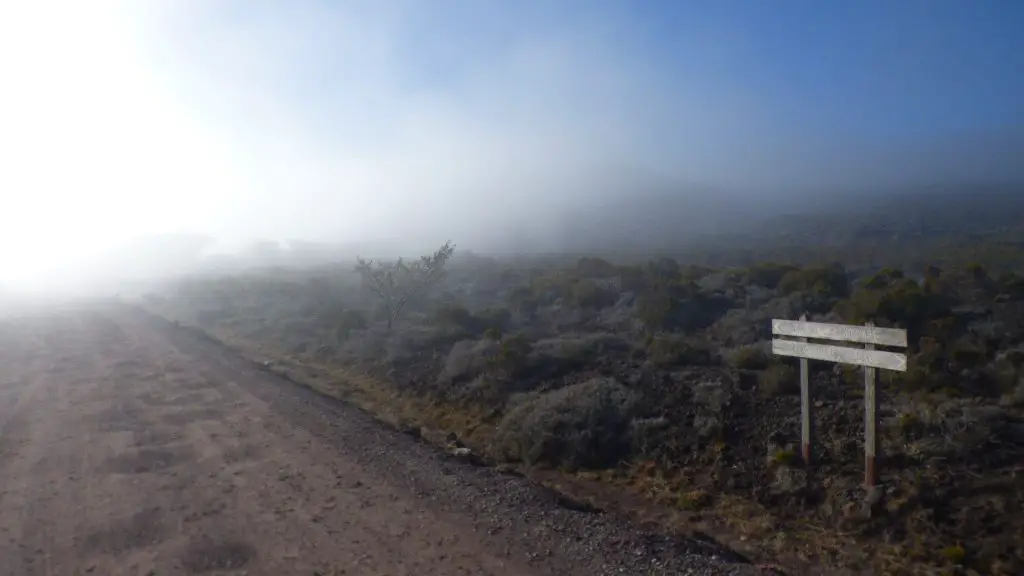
column 647, row 386
column 717, row 223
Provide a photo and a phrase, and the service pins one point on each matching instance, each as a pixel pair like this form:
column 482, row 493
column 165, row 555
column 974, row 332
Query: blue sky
column 771, row 80
column 871, row 69
column 906, row 68
column 409, row 121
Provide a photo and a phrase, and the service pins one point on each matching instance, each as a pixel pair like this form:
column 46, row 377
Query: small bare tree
column 396, row 284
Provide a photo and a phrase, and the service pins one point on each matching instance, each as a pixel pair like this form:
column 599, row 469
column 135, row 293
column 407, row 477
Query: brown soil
column 130, row 447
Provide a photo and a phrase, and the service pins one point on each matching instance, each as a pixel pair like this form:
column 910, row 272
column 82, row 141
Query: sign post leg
column 806, row 408
column 870, row 424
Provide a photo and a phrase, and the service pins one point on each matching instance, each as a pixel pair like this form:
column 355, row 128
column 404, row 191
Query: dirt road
column 130, row 447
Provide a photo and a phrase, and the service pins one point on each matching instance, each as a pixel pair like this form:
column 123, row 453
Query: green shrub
column 851, row 375
column 550, row 288
column 779, row 380
column 497, row 318
column 883, row 278
column 512, row 356
column 823, row 281
column 671, row 306
column 587, row 294
column 1015, row 357
column 968, row 354
column 768, row 274
column 694, row 500
column 944, row 328
column 909, row 425
column 933, row 281
column 955, row 554
column 1012, row 285
column 348, row 321
column 460, row 318
column 1005, row 375
column 632, row 278
column 581, row 426
column 977, row 272
column 693, row 272
column 926, row 370
column 662, row 269
column 895, row 302
column 675, row 351
column 785, row 458
column 595, row 268
column 522, row 301
column 750, row 358
column 654, row 309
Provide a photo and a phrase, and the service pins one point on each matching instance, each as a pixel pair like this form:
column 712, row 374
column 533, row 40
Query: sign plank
column 846, row 333
column 860, row 357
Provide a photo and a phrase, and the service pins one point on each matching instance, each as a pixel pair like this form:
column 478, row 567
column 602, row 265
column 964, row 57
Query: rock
column 714, row 394
column 873, row 504
column 453, row 440
column 789, row 481
column 707, row 426
column 410, row 430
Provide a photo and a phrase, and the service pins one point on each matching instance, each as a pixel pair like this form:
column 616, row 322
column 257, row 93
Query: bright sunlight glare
column 94, row 148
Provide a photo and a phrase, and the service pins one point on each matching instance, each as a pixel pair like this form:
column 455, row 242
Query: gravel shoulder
column 128, row 446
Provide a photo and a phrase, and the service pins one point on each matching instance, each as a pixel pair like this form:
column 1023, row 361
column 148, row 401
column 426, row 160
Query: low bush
column 824, row 281
column 750, row 358
column 348, row 321
column 495, row 318
column 896, row 301
column 595, row 268
column 672, row 307
column 785, row 458
column 768, row 274
column 588, row 295
column 522, row 301
column 1011, row 286
column 667, row 350
column 512, row 356
column 694, row 500
column 779, row 380
column 581, row 426
column 459, row 318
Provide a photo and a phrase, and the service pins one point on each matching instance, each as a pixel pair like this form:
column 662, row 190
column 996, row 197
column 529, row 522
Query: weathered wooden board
column 842, row 354
column 843, row 332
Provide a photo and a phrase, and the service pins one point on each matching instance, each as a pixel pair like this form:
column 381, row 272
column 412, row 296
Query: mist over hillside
column 663, row 222
column 709, row 224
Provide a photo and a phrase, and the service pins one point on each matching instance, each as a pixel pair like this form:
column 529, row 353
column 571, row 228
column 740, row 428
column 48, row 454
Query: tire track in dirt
column 77, row 487
column 308, row 494
column 522, row 521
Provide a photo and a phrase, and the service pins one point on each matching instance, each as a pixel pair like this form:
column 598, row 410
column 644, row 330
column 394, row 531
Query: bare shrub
column 396, row 284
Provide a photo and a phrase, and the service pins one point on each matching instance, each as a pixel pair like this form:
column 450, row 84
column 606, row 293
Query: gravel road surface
column 129, row 446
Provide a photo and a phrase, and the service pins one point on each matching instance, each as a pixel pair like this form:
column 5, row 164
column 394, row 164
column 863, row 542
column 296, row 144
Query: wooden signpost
column 791, row 339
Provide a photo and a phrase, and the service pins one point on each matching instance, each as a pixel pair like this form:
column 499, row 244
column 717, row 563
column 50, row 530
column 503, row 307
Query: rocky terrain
column 647, row 385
